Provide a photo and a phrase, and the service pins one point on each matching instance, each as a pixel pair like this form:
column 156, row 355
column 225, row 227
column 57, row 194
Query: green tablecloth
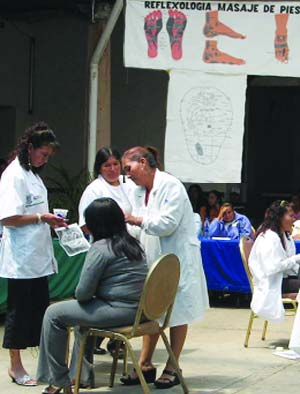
column 61, row 285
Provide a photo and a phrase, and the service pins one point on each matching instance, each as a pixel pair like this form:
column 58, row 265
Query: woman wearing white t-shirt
column 26, row 255
column 108, row 183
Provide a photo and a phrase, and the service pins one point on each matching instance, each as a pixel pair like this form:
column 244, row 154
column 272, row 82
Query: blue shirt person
column 230, row 224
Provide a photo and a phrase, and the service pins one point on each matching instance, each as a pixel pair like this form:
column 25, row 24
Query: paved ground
column 214, row 359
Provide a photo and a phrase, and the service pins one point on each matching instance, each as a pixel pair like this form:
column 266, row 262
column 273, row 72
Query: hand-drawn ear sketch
column 206, row 114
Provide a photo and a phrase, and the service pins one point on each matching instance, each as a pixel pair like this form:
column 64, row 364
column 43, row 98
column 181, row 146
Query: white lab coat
column 269, row 262
column 295, row 335
column 26, row 251
column 169, row 227
column 100, row 188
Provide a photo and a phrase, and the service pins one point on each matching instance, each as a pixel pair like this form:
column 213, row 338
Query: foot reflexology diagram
column 175, row 26
column 257, row 38
column 213, row 28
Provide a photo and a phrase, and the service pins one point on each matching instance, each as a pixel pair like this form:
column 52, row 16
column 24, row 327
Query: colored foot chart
column 176, row 25
column 152, row 26
column 212, row 54
column 206, row 114
column 281, row 38
column 213, row 27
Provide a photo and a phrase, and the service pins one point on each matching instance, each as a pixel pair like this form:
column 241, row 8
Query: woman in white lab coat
column 271, row 259
column 26, row 255
column 164, row 215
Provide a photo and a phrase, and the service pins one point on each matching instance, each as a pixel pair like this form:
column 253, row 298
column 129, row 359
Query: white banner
column 222, row 37
column 205, row 126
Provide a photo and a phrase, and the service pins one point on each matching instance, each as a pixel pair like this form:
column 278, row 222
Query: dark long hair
column 102, row 156
column 273, row 218
column 105, row 220
column 219, row 201
column 38, row 135
column 198, row 201
column 150, row 153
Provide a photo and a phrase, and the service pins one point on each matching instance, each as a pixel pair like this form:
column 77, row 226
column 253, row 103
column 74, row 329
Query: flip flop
column 24, row 380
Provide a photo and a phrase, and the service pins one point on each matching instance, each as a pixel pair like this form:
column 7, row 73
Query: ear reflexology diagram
column 212, row 28
column 176, row 25
column 206, row 115
column 152, row 26
column 280, row 41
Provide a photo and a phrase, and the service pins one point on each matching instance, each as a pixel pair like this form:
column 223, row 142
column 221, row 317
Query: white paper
column 72, row 239
column 205, row 127
column 175, row 35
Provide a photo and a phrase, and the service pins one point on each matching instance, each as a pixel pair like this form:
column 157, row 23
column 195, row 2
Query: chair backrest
column 159, row 289
column 246, row 244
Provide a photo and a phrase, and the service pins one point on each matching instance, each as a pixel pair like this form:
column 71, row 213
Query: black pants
column 27, row 302
column 291, row 284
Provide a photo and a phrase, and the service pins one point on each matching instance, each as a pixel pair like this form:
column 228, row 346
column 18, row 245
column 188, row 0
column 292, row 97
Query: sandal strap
column 169, row 372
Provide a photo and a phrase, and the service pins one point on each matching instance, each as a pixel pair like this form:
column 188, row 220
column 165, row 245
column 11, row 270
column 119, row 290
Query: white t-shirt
column 100, row 188
column 26, row 251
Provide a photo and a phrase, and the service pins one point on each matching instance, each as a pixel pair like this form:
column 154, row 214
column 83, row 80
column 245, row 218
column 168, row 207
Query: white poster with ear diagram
column 205, row 127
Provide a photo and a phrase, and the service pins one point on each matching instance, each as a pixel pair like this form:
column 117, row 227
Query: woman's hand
column 133, row 220
column 53, row 220
column 221, row 213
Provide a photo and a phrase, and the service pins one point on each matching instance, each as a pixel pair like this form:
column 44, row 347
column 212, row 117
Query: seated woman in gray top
column 107, row 294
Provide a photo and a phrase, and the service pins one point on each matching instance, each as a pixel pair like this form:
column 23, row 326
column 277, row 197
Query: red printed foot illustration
column 214, row 28
column 152, row 26
column 280, row 41
column 175, row 27
column 212, row 54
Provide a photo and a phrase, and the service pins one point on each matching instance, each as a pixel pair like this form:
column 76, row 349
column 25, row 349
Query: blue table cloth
column 223, row 266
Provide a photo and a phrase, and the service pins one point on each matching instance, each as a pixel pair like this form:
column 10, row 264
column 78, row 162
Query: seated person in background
column 196, row 196
column 107, row 294
column 295, row 202
column 272, row 257
column 210, row 210
column 230, row 224
column 235, row 200
column 197, row 199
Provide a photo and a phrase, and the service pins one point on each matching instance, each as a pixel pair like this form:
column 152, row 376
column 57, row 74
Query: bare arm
column 23, row 220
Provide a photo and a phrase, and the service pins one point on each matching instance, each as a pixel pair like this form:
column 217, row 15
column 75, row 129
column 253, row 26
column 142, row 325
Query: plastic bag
column 72, row 239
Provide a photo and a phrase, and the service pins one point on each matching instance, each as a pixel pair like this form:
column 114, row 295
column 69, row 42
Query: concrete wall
column 59, row 82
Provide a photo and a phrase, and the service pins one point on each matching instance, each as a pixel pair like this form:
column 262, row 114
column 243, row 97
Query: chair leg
column 264, row 333
column 125, row 361
column 114, row 364
column 174, row 362
column 249, row 329
column 137, row 367
column 68, row 346
column 80, row 360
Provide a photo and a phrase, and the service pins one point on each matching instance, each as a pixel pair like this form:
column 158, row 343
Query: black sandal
column 166, row 383
column 149, row 375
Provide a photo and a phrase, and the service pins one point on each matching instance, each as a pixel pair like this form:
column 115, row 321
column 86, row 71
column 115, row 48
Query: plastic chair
column 156, row 301
column 245, row 245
